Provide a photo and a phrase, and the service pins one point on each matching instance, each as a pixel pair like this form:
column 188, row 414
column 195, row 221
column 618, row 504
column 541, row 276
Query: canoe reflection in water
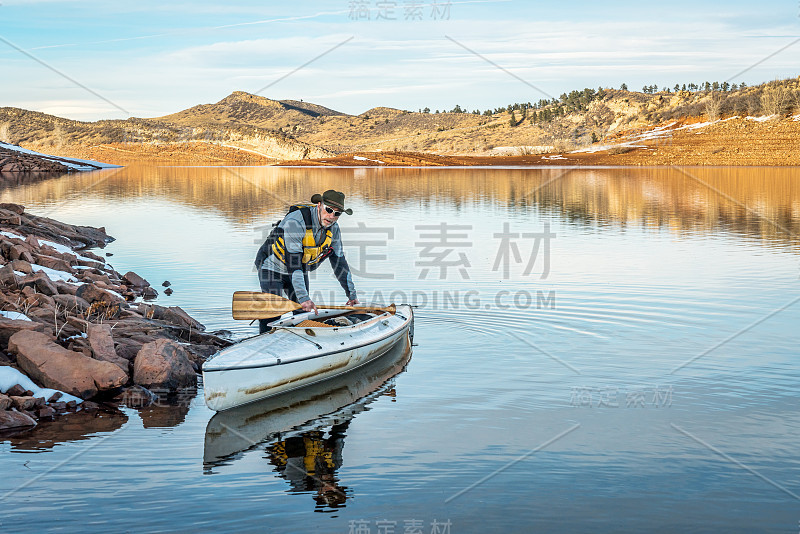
column 303, row 431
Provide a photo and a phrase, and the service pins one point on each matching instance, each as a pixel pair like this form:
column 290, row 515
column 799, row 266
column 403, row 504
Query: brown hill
column 327, row 129
column 252, row 110
column 246, row 128
column 201, row 133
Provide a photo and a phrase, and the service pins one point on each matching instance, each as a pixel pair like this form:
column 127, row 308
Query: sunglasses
column 331, row 210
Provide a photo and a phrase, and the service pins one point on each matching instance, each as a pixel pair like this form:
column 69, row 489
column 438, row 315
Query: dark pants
column 276, row 283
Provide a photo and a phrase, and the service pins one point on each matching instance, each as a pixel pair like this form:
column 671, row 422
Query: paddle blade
column 249, row 305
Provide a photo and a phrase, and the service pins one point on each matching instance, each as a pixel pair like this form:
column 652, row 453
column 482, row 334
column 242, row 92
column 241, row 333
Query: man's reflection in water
column 309, row 463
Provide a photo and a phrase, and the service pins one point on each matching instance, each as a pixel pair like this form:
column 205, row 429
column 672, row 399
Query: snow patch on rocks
column 10, row 377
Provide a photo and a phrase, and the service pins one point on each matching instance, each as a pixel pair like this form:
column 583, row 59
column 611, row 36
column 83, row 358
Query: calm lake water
column 605, row 350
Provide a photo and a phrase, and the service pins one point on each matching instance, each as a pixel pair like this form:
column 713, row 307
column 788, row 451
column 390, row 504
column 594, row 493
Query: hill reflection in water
column 759, row 202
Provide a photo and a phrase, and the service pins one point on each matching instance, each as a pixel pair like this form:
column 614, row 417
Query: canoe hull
column 231, row 379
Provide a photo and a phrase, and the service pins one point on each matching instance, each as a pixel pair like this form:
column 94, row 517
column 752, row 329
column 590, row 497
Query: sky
column 92, row 59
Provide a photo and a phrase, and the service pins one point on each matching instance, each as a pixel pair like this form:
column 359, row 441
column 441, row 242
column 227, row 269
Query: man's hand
column 309, row 306
column 352, row 302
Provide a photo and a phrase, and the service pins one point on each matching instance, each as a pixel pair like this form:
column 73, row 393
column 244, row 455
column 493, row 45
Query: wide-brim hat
column 334, row 199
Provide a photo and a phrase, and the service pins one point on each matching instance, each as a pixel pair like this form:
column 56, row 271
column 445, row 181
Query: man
column 308, row 235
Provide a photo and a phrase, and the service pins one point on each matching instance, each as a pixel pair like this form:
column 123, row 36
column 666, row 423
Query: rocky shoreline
column 76, row 335
column 11, row 161
column 14, row 159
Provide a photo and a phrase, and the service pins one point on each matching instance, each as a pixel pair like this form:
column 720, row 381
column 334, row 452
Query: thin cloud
column 204, row 29
column 391, row 90
column 194, row 30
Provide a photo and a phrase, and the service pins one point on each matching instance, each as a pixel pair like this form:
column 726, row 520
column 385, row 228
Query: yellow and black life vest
column 313, row 252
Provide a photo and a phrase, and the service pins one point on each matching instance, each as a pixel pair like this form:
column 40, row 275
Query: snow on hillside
column 635, row 141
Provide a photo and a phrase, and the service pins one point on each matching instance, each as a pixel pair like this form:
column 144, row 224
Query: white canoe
column 290, row 356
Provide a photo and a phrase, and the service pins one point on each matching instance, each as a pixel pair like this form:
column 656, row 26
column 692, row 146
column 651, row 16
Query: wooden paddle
column 256, row 305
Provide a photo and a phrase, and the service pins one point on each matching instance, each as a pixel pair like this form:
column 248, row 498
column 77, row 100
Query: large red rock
column 55, row 367
column 23, row 403
column 41, row 282
column 90, row 277
column 39, row 299
column 176, row 315
column 15, row 391
column 110, row 287
column 45, row 411
column 91, row 293
column 10, row 419
column 8, row 277
column 149, row 293
column 19, row 252
column 89, row 263
column 44, row 284
column 71, row 303
column 163, row 364
column 90, row 254
column 43, row 314
column 65, row 288
column 128, row 348
column 21, row 266
column 102, row 345
column 133, row 279
column 16, row 208
column 53, row 263
column 9, row 327
column 8, row 216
